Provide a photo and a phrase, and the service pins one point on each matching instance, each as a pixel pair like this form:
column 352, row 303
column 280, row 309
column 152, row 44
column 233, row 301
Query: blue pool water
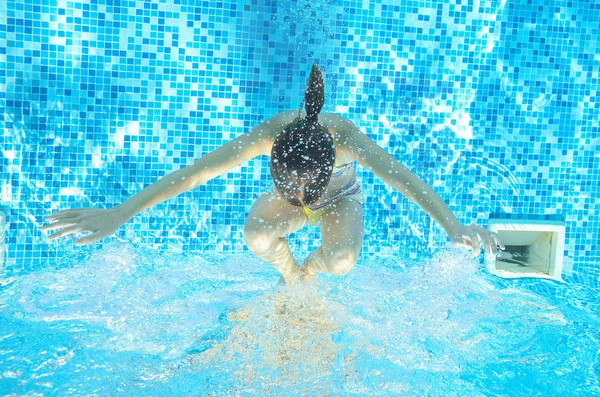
column 127, row 321
column 495, row 103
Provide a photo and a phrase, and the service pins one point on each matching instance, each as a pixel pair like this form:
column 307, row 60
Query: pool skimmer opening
column 534, row 248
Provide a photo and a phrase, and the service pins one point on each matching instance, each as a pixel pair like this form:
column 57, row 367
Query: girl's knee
column 340, row 262
column 258, row 241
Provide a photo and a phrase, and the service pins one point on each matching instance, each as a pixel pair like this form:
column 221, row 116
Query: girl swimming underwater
column 314, row 181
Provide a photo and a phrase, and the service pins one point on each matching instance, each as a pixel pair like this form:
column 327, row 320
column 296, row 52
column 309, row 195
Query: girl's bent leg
column 270, row 219
column 342, row 233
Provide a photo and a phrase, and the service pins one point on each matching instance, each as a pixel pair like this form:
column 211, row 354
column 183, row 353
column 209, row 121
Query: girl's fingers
column 57, row 225
column 498, row 242
column 67, row 214
column 474, row 237
column 484, row 239
column 490, row 246
column 476, row 243
column 472, row 240
column 491, row 240
column 90, row 238
column 494, row 243
column 65, row 232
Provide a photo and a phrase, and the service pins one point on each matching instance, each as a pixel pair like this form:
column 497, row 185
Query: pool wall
column 494, row 103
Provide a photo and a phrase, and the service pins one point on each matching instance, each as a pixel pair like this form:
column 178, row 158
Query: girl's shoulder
column 338, row 124
column 344, row 134
column 334, row 120
column 342, row 129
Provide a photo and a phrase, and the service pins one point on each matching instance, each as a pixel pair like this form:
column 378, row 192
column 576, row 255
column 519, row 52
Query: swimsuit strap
column 351, row 189
column 339, row 171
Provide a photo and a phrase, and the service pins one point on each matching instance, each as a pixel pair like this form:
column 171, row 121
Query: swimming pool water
column 128, row 321
column 493, row 103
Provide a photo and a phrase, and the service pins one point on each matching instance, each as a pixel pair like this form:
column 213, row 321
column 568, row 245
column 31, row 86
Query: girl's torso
column 343, row 176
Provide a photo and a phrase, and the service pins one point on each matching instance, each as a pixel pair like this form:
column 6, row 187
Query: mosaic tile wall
column 494, row 103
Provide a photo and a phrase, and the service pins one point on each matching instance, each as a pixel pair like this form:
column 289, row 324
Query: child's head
column 303, row 156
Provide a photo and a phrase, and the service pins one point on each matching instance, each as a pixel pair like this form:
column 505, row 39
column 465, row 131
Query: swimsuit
column 353, row 191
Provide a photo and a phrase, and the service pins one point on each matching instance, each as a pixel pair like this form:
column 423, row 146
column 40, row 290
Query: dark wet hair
column 303, row 155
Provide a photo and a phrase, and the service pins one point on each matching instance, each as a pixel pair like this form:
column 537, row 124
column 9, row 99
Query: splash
column 147, row 324
column 286, row 339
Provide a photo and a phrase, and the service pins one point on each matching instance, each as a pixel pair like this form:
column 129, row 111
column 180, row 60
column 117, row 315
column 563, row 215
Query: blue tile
column 496, row 107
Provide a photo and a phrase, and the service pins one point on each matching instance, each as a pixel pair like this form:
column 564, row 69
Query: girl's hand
column 473, row 237
column 100, row 223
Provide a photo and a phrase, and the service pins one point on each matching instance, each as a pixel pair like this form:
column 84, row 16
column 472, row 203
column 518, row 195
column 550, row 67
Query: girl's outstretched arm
column 385, row 166
column 101, row 223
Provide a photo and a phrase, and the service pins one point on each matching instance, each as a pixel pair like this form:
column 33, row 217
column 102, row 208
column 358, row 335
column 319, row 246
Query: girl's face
column 302, row 190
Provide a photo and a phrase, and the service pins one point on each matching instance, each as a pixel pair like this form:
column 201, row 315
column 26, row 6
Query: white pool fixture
column 534, row 247
column 2, row 240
